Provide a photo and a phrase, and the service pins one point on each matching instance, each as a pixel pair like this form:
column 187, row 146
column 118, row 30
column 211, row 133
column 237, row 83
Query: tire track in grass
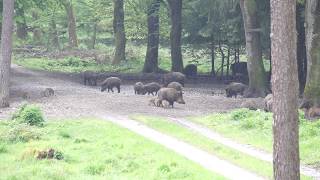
column 203, row 158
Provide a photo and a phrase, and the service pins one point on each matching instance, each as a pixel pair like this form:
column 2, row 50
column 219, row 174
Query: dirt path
column 203, row 158
column 247, row 149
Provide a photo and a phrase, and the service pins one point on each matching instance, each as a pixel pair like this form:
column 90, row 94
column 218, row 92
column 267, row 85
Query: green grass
column 92, row 149
column 255, row 128
column 247, row 162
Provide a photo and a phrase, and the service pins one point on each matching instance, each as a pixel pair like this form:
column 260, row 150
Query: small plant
column 3, row 148
column 58, row 155
column 29, row 114
column 64, row 134
column 95, row 169
column 22, row 133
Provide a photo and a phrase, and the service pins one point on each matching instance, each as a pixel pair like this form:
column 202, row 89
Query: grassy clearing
column 247, row 162
column 255, row 128
column 91, row 149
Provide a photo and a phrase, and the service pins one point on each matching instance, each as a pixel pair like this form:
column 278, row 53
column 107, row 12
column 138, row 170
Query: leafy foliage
column 29, row 114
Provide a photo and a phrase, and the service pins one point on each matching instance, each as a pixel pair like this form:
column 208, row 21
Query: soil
column 72, row 99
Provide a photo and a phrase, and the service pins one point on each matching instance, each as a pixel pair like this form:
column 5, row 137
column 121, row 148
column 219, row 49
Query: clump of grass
column 21, row 133
column 64, row 134
column 29, row 114
column 3, row 148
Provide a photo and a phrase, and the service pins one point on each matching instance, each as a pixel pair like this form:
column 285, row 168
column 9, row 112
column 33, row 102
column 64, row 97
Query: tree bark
column 6, row 51
column 312, row 89
column 175, row 34
column 222, row 59
column 94, row 35
column 53, row 36
column 256, row 71
column 213, row 71
column 119, row 32
column 22, row 32
column 286, row 162
column 72, row 27
column 151, row 61
column 228, row 62
column 36, row 29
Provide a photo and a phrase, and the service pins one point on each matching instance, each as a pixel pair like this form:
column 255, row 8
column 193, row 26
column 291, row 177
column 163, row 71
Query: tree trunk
column 72, row 27
column 301, row 48
column 312, row 89
column 151, row 62
column 119, row 32
column 6, row 50
column 175, row 35
column 213, row 71
column 36, row 29
column 256, row 71
column 228, row 62
column 22, row 32
column 286, row 163
column 53, row 36
column 94, row 35
column 222, row 59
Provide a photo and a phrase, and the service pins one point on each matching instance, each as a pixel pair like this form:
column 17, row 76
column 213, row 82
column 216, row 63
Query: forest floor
column 74, row 100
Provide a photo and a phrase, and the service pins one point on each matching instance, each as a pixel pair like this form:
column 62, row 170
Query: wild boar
column 152, row 88
column 90, row 78
column 110, row 83
column 139, row 88
column 233, row 89
column 174, row 77
column 171, row 95
column 175, row 85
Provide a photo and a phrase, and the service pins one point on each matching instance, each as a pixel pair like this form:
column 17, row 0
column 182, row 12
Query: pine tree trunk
column 22, row 32
column 228, row 62
column 222, row 59
column 286, row 162
column 72, row 27
column 213, row 72
column 301, row 48
column 94, row 35
column 175, row 35
column 312, row 89
column 36, row 29
column 53, row 36
column 119, row 32
column 151, row 61
column 6, row 51
column 256, row 71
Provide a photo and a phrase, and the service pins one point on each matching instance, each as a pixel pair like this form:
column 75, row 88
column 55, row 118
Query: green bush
column 21, row 133
column 29, row 114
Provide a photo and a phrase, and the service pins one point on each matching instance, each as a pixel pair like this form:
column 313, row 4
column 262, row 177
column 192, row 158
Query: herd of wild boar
column 170, row 91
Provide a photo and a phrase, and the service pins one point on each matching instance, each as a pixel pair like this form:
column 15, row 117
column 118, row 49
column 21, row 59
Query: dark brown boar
column 152, row 88
column 175, row 85
column 171, row 95
column 90, row 78
column 110, row 83
column 190, row 70
column 233, row 89
column 139, row 88
column 174, row 77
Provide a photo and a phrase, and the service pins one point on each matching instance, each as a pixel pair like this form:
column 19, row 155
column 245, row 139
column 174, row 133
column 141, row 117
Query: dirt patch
column 73, row 99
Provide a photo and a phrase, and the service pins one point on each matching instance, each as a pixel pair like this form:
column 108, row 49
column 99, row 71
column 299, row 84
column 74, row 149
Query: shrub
column 29, row 114
column 21, row 133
